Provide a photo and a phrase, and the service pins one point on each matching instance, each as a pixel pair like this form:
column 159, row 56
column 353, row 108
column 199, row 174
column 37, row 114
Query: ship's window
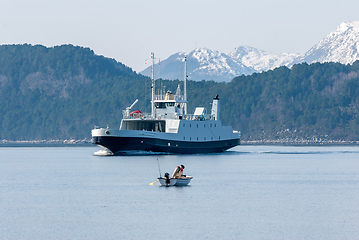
column 170, row 104
column 215, row 125
column 184, row 125
column 190, row 138
column 210, row 125
column 197, row 138
column 219, row 137
column 184, row 138
column 197, row 125
column 205, row 138
column 190, row 125
column 211, row 138
column 204, row 125
column 160, row 105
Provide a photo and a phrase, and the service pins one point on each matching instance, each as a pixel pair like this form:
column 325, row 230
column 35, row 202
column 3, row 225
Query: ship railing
column 191, row 117
column 197, row 117
column 135, row 115
column 147, row 116
column 237, row 133
column 163, row 97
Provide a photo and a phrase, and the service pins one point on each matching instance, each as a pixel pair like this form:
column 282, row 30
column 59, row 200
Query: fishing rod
column 159, row 170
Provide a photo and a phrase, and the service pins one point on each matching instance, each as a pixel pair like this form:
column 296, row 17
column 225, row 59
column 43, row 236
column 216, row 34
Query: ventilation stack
column 215, row 108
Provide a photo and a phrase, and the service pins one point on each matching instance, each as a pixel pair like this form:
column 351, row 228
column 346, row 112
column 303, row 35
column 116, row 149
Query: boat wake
column 140, row 153
column 103, row 153
column 129, row 153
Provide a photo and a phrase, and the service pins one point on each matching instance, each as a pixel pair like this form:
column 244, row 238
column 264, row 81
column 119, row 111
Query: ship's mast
column 153, row 86
column 185, row 85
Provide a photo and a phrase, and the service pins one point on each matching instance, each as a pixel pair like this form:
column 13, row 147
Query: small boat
column 182, row 181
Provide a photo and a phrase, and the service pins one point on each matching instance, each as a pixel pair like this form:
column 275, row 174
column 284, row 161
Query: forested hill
column 306, row 101
column 62, row 92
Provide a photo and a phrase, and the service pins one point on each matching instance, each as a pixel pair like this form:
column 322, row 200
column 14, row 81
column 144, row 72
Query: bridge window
column 160, row 105
column 170, row 104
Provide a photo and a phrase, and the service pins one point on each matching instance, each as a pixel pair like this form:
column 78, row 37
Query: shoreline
column 46, row 143
column 301, row 143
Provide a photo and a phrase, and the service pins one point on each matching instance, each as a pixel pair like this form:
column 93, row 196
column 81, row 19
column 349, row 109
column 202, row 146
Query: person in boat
column 178, row 172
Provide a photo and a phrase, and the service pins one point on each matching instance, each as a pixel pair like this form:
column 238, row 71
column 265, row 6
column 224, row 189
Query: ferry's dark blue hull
column 122, row 144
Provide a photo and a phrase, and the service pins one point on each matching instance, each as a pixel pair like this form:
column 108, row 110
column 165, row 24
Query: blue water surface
column 250, row 192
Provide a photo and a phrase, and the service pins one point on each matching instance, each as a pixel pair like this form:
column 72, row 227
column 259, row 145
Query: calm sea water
column 251, row 192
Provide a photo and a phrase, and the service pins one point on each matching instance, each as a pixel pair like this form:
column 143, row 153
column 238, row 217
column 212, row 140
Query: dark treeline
column 320, row 100
column 62, row 92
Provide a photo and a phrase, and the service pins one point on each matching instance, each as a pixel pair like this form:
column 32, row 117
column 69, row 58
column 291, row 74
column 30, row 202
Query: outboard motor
column 167, row 176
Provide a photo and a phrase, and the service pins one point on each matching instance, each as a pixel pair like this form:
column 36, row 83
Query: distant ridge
column 341, row 45
column 262, row 60
column 202, row 64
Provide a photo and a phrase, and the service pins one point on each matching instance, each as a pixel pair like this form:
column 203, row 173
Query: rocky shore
column 52, row 143
column 299, row 142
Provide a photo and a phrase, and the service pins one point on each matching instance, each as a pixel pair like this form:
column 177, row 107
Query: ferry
column 168, row 128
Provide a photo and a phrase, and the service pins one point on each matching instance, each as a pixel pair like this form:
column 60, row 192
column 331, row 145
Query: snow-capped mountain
column 261, row 60
column 202, row 64
column 341, row 45
column 215, row 65
column 206, row 64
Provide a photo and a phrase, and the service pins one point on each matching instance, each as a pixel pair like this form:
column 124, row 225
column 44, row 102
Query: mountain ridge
column 341, row 45
column 201, row 62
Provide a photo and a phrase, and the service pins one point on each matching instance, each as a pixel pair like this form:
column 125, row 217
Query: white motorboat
column 182, row 181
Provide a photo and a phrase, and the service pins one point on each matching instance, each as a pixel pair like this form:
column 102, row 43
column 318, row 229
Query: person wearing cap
column 178, row 172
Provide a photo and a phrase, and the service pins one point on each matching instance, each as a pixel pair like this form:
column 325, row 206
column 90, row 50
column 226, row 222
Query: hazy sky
column 130, row 30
